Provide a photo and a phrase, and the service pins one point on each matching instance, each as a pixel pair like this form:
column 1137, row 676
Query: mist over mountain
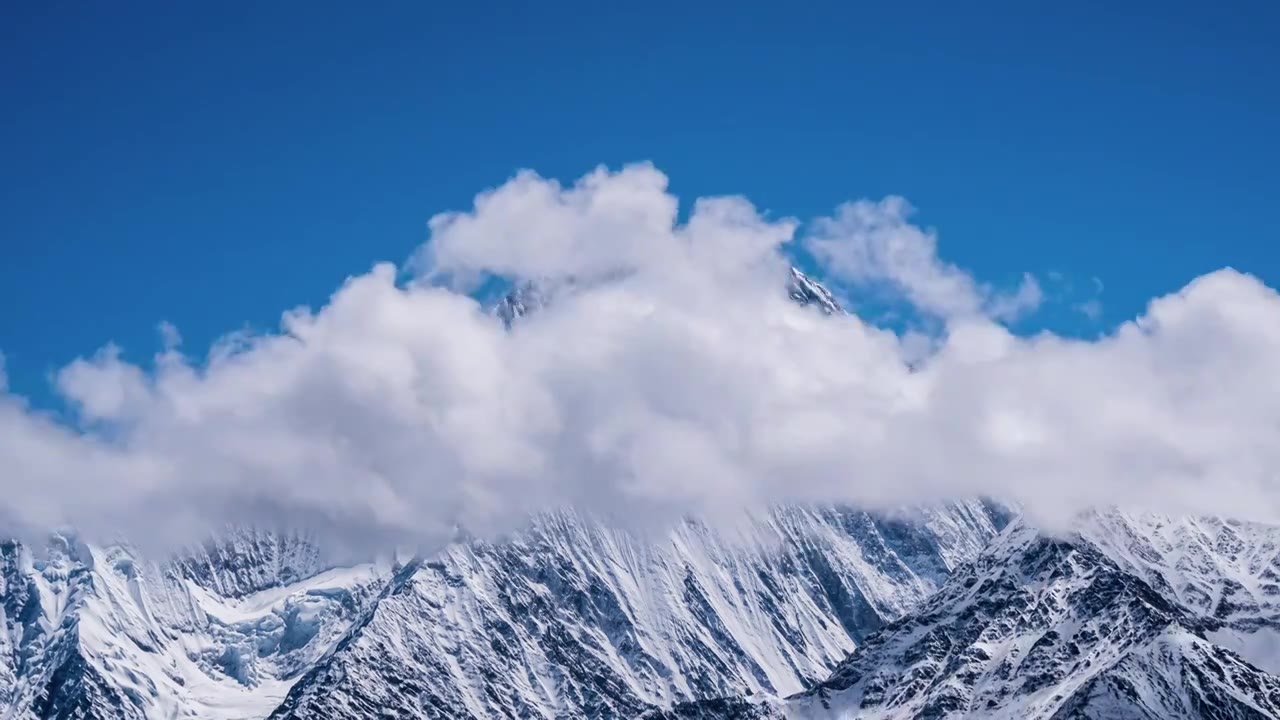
column 945, row 610
column 668, row 370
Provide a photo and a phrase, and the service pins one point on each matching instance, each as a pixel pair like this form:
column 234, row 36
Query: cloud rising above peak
column 670, row 375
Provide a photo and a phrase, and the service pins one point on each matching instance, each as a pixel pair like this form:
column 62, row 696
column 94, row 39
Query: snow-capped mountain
column 1225, row 572
column 809, row 292
column 1056, row 628
column 566, row 619
column 226, row 629
column 958, row 610
column 221, row 632
column 572, row 619
column 1039, row 627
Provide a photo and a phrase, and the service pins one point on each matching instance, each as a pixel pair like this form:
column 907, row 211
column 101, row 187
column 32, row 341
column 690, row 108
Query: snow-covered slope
column 571, row 619
column 1177, row 675
column 931, row 616
column 567, row 619
column 221, row 632
column 1039, row 627
column 1225, row 572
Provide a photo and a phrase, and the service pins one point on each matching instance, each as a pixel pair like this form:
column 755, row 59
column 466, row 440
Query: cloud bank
column 670, row 375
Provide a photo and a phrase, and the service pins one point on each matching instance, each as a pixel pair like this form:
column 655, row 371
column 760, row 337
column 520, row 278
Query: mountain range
column 954, row 610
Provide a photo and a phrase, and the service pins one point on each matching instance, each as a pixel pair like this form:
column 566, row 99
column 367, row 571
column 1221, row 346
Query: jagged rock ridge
column 572, row 619
column 1050, row 627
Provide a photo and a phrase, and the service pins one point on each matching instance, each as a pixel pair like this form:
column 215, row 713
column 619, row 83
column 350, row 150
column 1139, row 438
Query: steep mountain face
column 1039, row 627
column 1177, row 675
column 934, row 613
column 571, row 619
column 1225, row 572
column 241, row 562
column 567, row 619
column 221, row 632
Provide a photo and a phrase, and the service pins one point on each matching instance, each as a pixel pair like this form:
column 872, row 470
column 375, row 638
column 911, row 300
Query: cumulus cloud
column 673, row 375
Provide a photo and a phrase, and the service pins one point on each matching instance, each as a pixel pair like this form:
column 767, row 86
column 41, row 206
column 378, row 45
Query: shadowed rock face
column 243, row 562
column 715, row 709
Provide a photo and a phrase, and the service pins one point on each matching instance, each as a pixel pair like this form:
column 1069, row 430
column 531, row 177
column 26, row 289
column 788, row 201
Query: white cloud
column 533, row 228
column 873, row 242
column 104, row 387
column 676, row 377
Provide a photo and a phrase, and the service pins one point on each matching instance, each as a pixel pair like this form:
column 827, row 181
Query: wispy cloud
column 874, row 242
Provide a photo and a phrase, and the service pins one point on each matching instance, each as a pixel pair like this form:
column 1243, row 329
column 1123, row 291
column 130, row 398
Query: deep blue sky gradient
column 214, row 164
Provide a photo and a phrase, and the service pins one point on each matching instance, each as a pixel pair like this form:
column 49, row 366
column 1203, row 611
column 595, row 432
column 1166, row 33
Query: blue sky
column 213, row 167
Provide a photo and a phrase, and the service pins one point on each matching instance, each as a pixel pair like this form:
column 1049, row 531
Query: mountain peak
column 807, row 291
